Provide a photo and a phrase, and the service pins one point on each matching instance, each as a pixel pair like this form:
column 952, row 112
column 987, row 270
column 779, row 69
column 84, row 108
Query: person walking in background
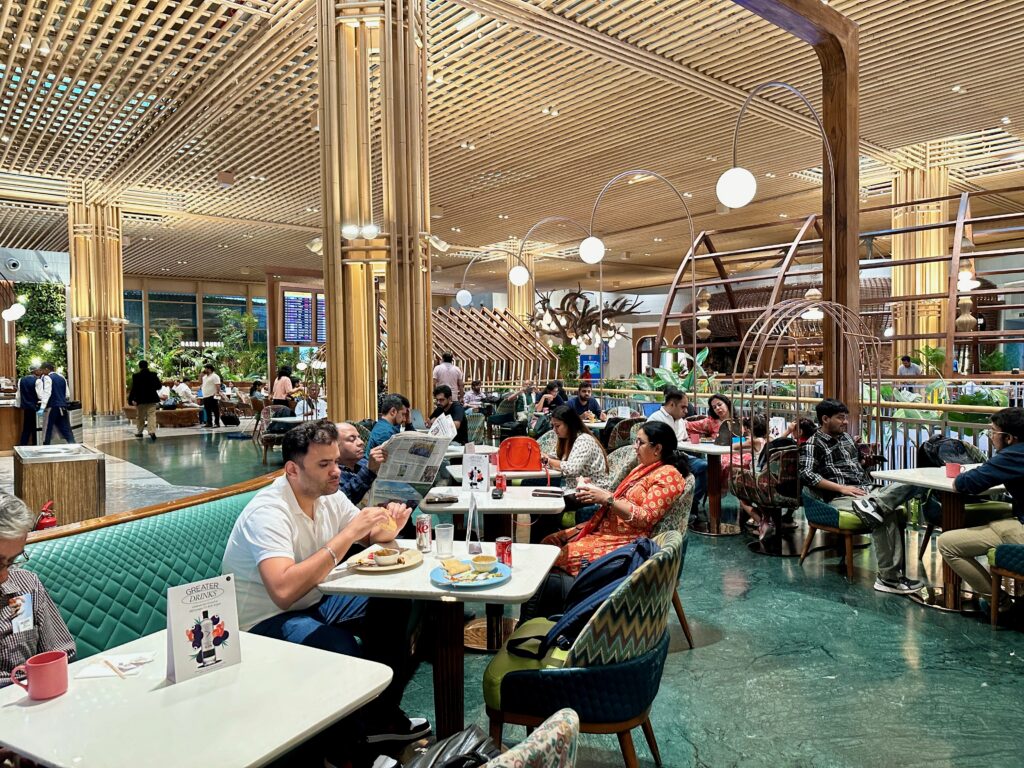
column 211, row 396
column 33, row 389
column 446, row 374
column 57, row 404
column 145, row 395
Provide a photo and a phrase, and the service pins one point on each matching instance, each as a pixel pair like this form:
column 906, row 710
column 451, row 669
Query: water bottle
column 914, row 512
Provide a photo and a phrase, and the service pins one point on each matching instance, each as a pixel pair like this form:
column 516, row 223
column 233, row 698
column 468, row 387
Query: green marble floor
column 794, row 666
column 211, row 460
column 797, row 667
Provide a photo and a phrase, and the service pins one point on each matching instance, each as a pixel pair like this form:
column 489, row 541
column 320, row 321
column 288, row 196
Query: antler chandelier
column 577, row 319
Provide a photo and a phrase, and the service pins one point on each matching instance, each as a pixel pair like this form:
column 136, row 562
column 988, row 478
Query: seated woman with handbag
column 578, row 454
column 626, row 514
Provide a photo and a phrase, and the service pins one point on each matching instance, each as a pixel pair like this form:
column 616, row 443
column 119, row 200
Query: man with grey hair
column 29, row 621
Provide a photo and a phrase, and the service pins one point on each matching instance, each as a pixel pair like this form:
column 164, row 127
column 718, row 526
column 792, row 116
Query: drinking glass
column 444, row 539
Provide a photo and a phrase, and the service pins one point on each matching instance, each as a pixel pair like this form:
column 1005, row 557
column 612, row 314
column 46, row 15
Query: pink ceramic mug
column 46, row 675
column 953, row 469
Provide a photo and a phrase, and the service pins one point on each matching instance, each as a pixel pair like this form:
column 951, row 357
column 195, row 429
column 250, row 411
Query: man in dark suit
column 57, row 405
column 145, row 395
column 30, row 392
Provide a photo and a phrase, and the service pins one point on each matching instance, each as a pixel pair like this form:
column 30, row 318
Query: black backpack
column 937, row 451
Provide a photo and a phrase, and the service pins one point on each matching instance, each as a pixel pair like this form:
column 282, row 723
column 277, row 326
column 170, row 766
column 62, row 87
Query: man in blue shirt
column 583, row 403
column 357, row 471
column 394, row 413
column 33, row 390
column 960, row 548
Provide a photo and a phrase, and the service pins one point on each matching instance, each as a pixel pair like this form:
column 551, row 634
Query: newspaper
column 413, row 462
column 443, row 426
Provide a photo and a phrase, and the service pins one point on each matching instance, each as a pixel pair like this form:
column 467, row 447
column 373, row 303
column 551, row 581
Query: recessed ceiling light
column 658, row 239
column 957, row 89
column 783, row 215
column 1005, row 120
column 550, row 111
column 502, row 215
column 769, row 175
column 165, row 269
column 456, row 229
column 711, row 158
column 4, row 139
column 688, row 195
column 467, row 145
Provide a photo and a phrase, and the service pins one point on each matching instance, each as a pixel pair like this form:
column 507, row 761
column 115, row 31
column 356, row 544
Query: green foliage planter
column 40, row 332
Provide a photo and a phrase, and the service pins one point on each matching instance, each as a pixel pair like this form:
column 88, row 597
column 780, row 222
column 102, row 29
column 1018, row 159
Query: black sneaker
column 870, row 508
column 400, row 728
column 152, row 437
column 138, row 434
column 915, row 584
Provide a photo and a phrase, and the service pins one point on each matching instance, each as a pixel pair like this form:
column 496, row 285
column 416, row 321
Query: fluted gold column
column 406, row 201
column 97, row 308
column 926, row 316
column 520, row 298
column 345, row 112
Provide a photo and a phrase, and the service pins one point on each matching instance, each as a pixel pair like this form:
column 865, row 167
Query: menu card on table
column 476, row 472
column 202, row 628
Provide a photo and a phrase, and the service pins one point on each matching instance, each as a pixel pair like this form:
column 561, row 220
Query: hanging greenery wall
column 41, row 331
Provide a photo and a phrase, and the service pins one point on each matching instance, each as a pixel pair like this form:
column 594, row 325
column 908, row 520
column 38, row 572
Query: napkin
column 130, row 665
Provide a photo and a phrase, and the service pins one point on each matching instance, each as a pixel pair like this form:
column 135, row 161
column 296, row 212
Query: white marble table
column 289, row 419
column 458, row 451
column 518, row 500
column 949, row 595
column 713, row 453
column 530, row 564
column 144, row 720
column 596, row 426
column 455, row 470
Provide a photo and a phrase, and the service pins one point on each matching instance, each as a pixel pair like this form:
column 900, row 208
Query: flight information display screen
column 321, row 319
column 298, row 316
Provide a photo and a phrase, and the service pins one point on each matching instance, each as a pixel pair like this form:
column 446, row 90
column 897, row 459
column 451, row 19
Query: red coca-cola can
column 501, row 482
column 503, row 550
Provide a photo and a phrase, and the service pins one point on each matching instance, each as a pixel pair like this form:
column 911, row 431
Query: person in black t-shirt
column 446, row 404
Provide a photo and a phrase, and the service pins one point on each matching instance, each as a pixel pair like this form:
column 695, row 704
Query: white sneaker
column 870, row 508
column 902, row 586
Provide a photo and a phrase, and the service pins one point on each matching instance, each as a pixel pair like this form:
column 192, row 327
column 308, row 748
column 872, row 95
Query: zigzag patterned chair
column 476, row 425
column 1006, row 562
column 611, row 673
column 621, row 462
column 553, row 745
column 678, row 519
column 547, row 442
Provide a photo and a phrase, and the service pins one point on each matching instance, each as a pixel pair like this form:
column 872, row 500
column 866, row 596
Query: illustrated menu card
column 476, row 472
column 202, row 628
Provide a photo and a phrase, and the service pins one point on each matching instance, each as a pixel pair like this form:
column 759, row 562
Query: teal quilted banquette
column 111, row 583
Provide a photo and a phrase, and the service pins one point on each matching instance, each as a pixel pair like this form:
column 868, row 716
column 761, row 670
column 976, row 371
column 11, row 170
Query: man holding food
column 286, row 541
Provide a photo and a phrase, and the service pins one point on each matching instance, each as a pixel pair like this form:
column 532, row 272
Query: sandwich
column 454, row 567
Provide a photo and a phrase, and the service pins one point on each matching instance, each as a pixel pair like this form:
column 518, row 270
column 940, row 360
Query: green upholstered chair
column 364, row 433
column 476, row 424
column 111, row 583
column 621, row 462
column 611, row 673
column 822, row 516
column 547, row 442
column 620, row 435
column 1005, row 562
column 678, row 519
column 552, row 745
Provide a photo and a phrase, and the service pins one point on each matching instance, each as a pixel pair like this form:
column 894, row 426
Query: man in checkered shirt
column 29, row 621
column 830, row 468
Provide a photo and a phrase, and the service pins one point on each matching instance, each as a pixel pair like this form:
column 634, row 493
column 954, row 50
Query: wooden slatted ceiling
column 161, row 96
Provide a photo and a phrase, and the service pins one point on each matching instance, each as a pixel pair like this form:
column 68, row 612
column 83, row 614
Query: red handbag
column 519, row 454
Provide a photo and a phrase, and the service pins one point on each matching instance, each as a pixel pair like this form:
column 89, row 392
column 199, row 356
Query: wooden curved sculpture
column 576, row 314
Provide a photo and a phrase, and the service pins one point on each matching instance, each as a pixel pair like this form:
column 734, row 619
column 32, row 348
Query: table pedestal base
column 449, row 670
column 789, row 544
column 487, row 635
column 723, row 529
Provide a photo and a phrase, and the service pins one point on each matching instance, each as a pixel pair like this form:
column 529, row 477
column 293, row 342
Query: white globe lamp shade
column 592, row 250
column 888, row 332
column 370, row 231
column 6, row 315
column 350, row 231
column 301, row 367
column 16, row 312
column 736, row 187
column 519, row 275
column 464, row 298
column 316, row 245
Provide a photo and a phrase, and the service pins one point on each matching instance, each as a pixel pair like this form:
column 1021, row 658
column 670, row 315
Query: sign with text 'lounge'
column 202, row 628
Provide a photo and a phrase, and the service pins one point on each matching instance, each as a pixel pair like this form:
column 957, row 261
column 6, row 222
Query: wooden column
column 97, row 308
column 344, row 52
column 834, row 39
column 520, row 298
column 926, row 316
column 406, row 198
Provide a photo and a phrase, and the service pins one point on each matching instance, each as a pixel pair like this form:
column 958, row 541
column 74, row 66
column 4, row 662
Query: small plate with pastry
column 385, row 560
column 465, row 574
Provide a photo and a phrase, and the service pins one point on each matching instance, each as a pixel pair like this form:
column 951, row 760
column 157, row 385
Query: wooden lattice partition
column 492, row 345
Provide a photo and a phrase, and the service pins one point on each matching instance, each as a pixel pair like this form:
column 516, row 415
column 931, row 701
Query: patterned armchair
column 621, row 462
column 620, row 436
column 1005, row 562
column 611, row 673
column 771, row 485
column 261, row 438
column 364, row 433
column 552, row 745
column 476, row 424
column 678, row 519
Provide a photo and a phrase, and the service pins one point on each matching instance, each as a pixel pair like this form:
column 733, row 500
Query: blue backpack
column 594, row 585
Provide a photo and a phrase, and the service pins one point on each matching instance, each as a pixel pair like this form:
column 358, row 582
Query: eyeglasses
column 16, row 560
column 990, row 433
column 640, row 442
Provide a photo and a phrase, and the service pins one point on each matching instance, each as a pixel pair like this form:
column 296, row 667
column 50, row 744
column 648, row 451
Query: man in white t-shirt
column 286, row 541
column 211, row 396
column 447, row 374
